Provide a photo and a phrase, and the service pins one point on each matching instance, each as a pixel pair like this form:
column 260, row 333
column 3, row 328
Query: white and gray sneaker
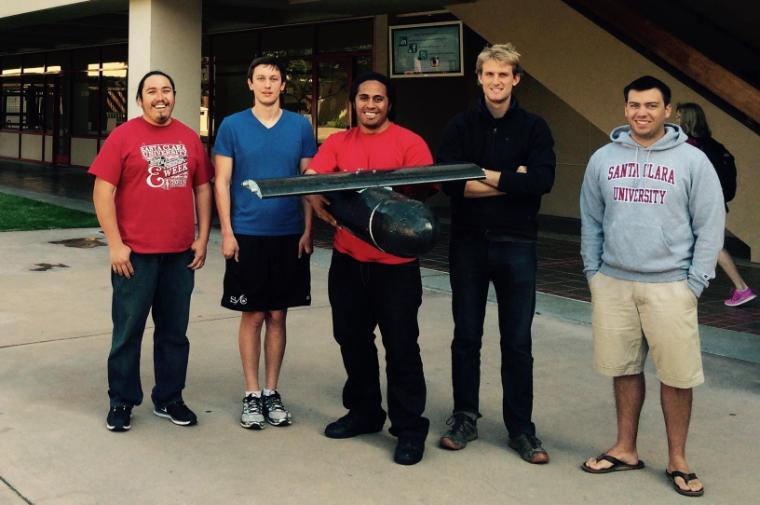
column 275, row 411
column 253, row 415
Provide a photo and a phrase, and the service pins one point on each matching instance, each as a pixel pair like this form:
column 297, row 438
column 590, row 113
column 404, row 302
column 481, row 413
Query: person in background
column 693, row 122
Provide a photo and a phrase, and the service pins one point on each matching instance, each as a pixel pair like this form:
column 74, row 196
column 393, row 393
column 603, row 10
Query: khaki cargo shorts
column 630, row 319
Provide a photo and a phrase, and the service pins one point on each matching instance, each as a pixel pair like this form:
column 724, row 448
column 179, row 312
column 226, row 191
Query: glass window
column 317, row 86
column 85, row 92
column 231, row 92
column 345, row 37
column 10, row 108
column 236, row 47
column 205, row 94
column 288, row 42
column 57, row 62
column 84, row 102
column 51, row 89
column 85, row 59
column 33, row 103
column 115, row 53
column 298, row 92
column 362, row 64
column 233, row 53
column 34, row 64
column 204, row 126
column 11, row 65
column 332, row 111
column 62, row 120
column 114, row 109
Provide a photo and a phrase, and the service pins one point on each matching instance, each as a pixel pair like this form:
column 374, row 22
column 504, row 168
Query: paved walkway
column 54, row 448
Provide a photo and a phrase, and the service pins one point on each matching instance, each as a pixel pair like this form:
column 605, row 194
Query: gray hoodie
column 652, row 214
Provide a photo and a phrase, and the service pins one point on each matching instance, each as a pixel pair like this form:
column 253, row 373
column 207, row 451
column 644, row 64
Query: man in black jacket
column 493, row 238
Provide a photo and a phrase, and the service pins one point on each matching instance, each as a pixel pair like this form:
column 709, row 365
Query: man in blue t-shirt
column 266, row 243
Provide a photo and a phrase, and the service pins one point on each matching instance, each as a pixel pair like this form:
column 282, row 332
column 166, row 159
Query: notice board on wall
column 426, row 50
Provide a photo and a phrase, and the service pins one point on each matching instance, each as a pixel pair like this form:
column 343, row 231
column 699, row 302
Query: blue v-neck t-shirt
column 259, row 152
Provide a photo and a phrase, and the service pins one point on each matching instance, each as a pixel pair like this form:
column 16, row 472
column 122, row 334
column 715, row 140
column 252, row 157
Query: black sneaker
column 275, row 411
column 119, row 418
column 409, row 451
column 178, row 413
column 351, row 425
column 463, row 429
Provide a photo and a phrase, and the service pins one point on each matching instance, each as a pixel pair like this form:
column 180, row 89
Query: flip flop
column 617, row 465
column 686, row 477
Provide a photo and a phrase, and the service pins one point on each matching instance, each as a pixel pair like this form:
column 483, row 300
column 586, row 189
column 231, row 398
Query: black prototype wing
column 306, row 185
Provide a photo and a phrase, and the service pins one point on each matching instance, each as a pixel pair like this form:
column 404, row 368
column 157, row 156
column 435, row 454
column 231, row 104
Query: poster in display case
column 426, row 50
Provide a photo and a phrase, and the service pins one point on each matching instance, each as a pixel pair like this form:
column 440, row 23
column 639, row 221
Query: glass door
column 33, row 94
column 52, row 121
column 335, row 76
column 55, row 122
column 333, row 112
column 300, row 88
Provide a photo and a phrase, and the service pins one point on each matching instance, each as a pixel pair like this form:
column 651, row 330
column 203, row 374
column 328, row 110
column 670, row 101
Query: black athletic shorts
column 269, row 275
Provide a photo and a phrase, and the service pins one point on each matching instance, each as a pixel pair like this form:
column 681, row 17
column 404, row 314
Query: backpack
column 723, row 162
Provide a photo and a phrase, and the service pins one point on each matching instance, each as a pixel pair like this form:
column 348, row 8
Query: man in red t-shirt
column 152, row 175
column 369, row 288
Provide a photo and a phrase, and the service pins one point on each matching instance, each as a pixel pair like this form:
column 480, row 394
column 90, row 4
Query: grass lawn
column 19, row 214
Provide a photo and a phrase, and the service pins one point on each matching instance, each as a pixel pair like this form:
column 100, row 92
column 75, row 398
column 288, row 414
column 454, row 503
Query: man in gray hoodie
column 652, row 226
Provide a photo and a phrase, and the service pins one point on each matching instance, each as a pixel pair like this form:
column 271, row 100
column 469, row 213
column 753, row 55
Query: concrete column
column 166, row 35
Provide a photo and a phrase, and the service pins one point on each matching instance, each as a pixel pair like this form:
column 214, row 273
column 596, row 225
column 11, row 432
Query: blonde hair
column 503, row 53
column 693, row 121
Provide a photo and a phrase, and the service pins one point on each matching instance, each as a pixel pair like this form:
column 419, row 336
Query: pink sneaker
column 740, row 297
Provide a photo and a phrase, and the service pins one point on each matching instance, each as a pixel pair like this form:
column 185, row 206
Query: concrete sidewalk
column 54, row 448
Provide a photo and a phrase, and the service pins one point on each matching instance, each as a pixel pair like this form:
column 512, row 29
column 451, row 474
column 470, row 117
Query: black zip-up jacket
column 504, row 144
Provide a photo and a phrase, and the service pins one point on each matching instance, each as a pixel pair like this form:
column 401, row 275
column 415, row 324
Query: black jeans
column 511, row 265
column 162, row 284
column 364, row 296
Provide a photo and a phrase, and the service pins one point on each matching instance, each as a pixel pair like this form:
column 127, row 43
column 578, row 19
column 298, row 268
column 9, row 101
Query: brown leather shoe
column 530, row 449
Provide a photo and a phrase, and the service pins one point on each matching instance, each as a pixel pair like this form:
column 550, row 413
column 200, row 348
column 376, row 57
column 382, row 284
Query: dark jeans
column 163, row 283
column 366, row 295
column 512, row 268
